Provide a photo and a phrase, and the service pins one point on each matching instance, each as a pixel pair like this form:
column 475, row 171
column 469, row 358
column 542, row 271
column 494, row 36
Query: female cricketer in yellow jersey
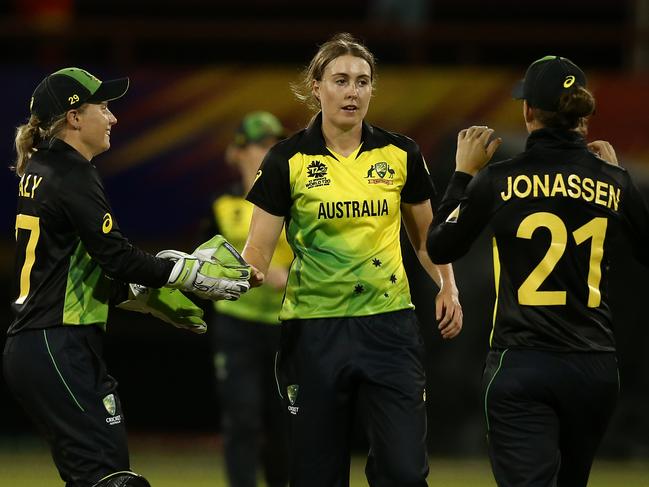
column 72, row 261
column 349, row 333
column 556, row 210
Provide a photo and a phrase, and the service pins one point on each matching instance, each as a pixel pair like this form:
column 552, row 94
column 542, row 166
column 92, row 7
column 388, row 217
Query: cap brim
column 518, row 91
column 110, row 90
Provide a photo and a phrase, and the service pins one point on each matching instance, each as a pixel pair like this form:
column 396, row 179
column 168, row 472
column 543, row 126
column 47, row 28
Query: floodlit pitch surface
column 168, row 462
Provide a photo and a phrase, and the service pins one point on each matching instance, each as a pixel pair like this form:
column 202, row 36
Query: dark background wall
column 197, row 66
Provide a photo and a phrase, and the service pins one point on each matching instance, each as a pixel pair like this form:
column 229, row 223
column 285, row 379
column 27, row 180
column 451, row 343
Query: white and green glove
column 220, row 251
column 214, row 271
column 166, row 304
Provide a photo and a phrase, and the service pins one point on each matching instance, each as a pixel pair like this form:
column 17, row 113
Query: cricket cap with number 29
column 69, row 88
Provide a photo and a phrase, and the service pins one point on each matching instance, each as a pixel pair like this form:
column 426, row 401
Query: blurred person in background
column 350, row 337
column 557, row 212
column 245, row 333
column 72, row 261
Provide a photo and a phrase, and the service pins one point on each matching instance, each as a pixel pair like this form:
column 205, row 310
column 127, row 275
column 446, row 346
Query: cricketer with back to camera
column 556, row 212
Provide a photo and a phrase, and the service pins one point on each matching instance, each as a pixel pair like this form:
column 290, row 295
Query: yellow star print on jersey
column 343, row 219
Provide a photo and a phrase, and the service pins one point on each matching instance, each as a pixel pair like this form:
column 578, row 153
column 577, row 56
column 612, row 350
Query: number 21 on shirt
column 594, row 230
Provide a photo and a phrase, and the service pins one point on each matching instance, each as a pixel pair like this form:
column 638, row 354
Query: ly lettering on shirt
column 28, row 185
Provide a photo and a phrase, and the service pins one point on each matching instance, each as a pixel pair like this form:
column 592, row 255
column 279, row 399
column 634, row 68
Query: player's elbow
column 440, row 251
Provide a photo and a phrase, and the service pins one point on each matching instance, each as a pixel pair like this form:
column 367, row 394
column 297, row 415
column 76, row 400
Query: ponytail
column 29, row 135
column 574, row 107
column 577, row 104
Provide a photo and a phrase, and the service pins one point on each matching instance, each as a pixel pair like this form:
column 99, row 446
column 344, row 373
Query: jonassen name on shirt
column 555, row 185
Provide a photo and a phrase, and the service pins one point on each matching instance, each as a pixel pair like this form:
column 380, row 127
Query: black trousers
column 253, row 420
column 329, row 366
column 546, row 414
column 59, row 377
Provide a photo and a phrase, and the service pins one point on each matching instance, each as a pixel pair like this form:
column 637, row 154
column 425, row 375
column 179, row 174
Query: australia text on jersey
column 553, row 185
column 352, row 209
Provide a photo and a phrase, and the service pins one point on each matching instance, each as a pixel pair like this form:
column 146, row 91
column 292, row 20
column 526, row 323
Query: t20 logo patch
column 317, row 172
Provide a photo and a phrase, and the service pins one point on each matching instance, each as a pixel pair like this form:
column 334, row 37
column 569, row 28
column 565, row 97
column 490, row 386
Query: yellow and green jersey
column 232, row 215
column 343, row 219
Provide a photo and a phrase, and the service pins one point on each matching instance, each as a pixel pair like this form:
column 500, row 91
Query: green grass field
column 198, row 462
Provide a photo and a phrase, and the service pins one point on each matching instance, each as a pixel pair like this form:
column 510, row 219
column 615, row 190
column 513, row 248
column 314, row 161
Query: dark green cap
column 70, row 88
column 258, row 126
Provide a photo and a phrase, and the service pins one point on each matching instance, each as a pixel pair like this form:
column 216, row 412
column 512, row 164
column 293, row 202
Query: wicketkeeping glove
column 219, row 250
column 166, row 304
column 206, row 276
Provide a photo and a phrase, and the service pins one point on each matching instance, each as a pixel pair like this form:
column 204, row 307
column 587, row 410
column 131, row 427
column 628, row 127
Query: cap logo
column 73, row 99
column 569, row 81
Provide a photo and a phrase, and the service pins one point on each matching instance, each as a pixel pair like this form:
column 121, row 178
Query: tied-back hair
column 574, row 108
column 340, row 44
column 29, row 135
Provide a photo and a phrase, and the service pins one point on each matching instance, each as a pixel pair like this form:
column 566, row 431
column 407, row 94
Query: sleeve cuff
column 457, row 185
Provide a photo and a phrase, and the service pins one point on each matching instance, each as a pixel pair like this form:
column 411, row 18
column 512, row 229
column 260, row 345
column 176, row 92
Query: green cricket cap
column 258, row 126
column 70, row 88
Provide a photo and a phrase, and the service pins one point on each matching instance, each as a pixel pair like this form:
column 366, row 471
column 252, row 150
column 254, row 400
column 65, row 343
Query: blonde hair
column 30, row 134
column 339, row 45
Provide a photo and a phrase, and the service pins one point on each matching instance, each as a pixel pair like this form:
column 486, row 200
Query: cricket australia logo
column 109, row 404
column 377, row 173
column 317, row 172
column 291, row 393
column 111, row 409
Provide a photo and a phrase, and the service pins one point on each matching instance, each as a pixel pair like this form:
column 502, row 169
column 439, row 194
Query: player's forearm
column 442, row 274
column 256, row 257
column 447, row 277
column 276, row 276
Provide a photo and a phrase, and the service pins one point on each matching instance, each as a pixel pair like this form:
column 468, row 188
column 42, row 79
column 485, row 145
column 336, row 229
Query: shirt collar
column 556, row 139
column 314, row 141
column 57, row 145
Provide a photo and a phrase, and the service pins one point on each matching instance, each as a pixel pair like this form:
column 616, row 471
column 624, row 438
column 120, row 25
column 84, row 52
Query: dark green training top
column 70, row 253
column 555, row 211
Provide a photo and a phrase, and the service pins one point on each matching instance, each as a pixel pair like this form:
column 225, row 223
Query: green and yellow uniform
column 343, row 219
column 71, row 253
column 71, row 261
column 349, row 333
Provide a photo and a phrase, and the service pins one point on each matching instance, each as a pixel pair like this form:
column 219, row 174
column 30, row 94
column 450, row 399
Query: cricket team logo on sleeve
column 380, row 173
column 316, row 171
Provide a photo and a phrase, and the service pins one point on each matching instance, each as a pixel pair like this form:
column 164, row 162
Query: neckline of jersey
column 351, row 158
